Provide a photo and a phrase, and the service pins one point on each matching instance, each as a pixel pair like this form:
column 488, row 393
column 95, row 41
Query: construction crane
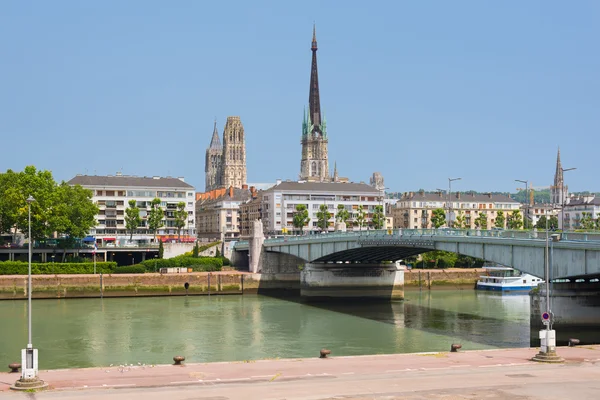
column 532, row 190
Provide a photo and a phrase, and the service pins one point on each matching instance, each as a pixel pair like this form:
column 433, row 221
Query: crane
column 532, row 190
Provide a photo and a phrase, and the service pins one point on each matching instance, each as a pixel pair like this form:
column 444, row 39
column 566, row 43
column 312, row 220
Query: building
column 314, row 164
column 559, row 191
column 217, row 212
column 581, row 213
column 112, row 195
column 535, row 211
column 225, row 165
column 414, row 210
column 276, row 206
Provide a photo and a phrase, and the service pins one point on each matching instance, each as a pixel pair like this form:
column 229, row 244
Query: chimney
column 490, row 195
column 231, row 191
column 181, row 178
column 458, row 195
column 440, row 193
column 278, row 182
column 411, row 194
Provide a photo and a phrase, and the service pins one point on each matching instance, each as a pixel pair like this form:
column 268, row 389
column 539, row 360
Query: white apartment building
column 414, row 210
column 572, row 214
column 112, row 195
column 536, row 211
column 278, row 203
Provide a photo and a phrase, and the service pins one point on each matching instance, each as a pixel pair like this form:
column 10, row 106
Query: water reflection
column 91, row 332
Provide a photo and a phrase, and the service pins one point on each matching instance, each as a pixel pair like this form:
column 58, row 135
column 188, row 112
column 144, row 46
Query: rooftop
column 130, row 181
column 466, row 197
column 325, row 187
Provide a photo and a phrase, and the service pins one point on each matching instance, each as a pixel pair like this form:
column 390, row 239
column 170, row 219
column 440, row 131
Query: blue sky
column 420, row 91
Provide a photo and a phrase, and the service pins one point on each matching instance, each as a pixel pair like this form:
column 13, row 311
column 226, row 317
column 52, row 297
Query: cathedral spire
column 314, row 102
column 215, row 142
column 558, row 175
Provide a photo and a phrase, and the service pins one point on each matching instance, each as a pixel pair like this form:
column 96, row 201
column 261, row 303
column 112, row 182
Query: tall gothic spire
column 314, row 102
column 558, row 175
column 215, row 142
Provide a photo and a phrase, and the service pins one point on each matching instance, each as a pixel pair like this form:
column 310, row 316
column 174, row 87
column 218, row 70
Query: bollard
column 14, row 367
column 186, row 287
column 454, row 348
column 324, row 353
column 178, row 360
column 573, row 342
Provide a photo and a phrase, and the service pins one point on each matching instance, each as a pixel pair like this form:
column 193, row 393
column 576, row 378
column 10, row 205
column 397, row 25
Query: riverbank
column 13, row 287
column 378, row 375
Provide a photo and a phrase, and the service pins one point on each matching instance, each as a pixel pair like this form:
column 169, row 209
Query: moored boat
column 507, row 279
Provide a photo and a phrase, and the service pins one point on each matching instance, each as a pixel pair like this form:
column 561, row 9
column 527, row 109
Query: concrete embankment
column 199, row 283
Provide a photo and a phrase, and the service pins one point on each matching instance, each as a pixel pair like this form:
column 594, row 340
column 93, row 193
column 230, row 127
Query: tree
column 378, row 217
column 541, row 223
column 553, row 222
column 527, row 224
column 481, row 220
column 360, row 217
column 515, row 220
column 132, row 218
column 459, row 221
column 74, row 212
column 10, row 197
column 180, row 218
column 500, row 220
column 598, row 223
column 438, row 217
column 323, row 216
column 195, row 250
column 161, row 249
column 155, row 216
column 342, row 214
column 586, row 222
column 301, row 218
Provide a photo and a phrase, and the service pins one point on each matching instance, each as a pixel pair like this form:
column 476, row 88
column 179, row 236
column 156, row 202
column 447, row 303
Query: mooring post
column 419, row 279
column 242, row 283
column 101, row 286
column 428, row 280
column 209, row 283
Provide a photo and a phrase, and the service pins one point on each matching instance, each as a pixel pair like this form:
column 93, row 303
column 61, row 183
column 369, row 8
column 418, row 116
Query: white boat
column 507, row 279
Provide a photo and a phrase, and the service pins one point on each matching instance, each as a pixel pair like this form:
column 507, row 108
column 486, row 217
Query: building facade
column 581, row 213
column 414, row 210
column 314, row 164
column 225, row 165
column 217, row 213
column 112, row 195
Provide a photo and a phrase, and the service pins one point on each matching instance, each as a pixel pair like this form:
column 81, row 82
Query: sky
column 419, row 91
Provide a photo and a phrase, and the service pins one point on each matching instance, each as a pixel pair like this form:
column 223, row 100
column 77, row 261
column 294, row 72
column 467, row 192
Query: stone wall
column 442, row 277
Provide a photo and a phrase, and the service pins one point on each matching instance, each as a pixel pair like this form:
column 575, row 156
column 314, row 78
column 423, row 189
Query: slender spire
column 335, row 173
column 558, row 175
column 215, row 142
column 314, row 102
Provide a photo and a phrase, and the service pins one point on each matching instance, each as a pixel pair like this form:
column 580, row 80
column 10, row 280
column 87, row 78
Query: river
column 98, row 332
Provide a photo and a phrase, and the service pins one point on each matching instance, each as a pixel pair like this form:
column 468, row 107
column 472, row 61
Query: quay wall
column 442, row 278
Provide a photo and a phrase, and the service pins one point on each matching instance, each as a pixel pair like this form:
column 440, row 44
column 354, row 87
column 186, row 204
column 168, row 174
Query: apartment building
column 578, row 209
column 112, row 195
column 218, row 212
column 414, row 210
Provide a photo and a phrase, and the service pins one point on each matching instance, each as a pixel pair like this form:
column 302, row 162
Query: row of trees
column 301, row 217
column 62, row 208
column 513, row 220
column 133, row 220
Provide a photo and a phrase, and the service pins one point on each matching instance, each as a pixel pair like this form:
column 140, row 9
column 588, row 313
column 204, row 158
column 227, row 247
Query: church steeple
column 314, row 101
column 559, row 190
column 215, row 142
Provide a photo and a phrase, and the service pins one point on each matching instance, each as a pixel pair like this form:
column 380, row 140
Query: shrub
column 131, row 269
column 21, row 268
column 196, row 263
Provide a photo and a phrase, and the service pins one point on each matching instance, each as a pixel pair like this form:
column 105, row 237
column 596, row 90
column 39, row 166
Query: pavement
column 482, row 374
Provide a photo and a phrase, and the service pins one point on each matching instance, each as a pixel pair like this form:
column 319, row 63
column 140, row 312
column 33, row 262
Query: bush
column 131, row 269
column 225, row 260
column 21, row 268
column 196, row 263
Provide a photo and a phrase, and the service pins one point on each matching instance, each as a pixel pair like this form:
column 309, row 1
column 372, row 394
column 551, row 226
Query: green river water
column 99, row 332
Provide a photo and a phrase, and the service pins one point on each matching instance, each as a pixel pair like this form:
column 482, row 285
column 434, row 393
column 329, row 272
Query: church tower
column 212, row 165
column 233, row 161
column 314, row 165
column 559, row 190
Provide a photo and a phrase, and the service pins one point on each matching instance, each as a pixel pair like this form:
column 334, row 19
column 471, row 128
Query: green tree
column 74, row 213
column 378, row 217
column 342, row 214
column 155, row 216
column 438, row 217
column 132, row 218
column 195, row 250
column 527, row 224
column 10, row 201
column 598, row 223
column 481, row 220
column 301, row 218
column 323, row 216
column 541, row 223
column 360, row 217
column 586, row 222
column 181, row 217
column 553, row 222
column 515, row 220
column 500, row 220
column 161, row 249
column 217, row 253
column 459, row 221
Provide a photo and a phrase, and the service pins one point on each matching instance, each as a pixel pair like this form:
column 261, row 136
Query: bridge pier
column 328, row 281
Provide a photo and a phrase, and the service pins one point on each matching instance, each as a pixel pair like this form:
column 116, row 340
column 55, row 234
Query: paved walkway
column 458, row 367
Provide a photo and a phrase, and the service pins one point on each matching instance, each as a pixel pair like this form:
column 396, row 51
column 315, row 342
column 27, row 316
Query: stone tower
column 314, row 165
column 559, row 190
column 233, row 162
column 212, row 165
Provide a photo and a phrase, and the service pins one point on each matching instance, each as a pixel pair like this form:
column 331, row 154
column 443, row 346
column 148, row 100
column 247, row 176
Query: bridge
column 573, row 255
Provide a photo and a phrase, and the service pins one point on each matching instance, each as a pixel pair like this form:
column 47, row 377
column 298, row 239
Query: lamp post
column 563, row 197
column 450, row 180
column 29, row 356
column 382, row 189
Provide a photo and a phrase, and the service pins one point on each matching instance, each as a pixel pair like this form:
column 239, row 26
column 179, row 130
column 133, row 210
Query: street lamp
column 382, row 189
column 450, row 180
column 526, row 199
column 563, row 197
column 29, row 356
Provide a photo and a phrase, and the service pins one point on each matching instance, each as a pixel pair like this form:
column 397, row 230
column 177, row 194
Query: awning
column 89, row 239
column 108, row 239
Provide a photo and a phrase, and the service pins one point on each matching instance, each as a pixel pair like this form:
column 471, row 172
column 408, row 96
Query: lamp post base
column 29, row 384
column 547, row 352
column 548, row 357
